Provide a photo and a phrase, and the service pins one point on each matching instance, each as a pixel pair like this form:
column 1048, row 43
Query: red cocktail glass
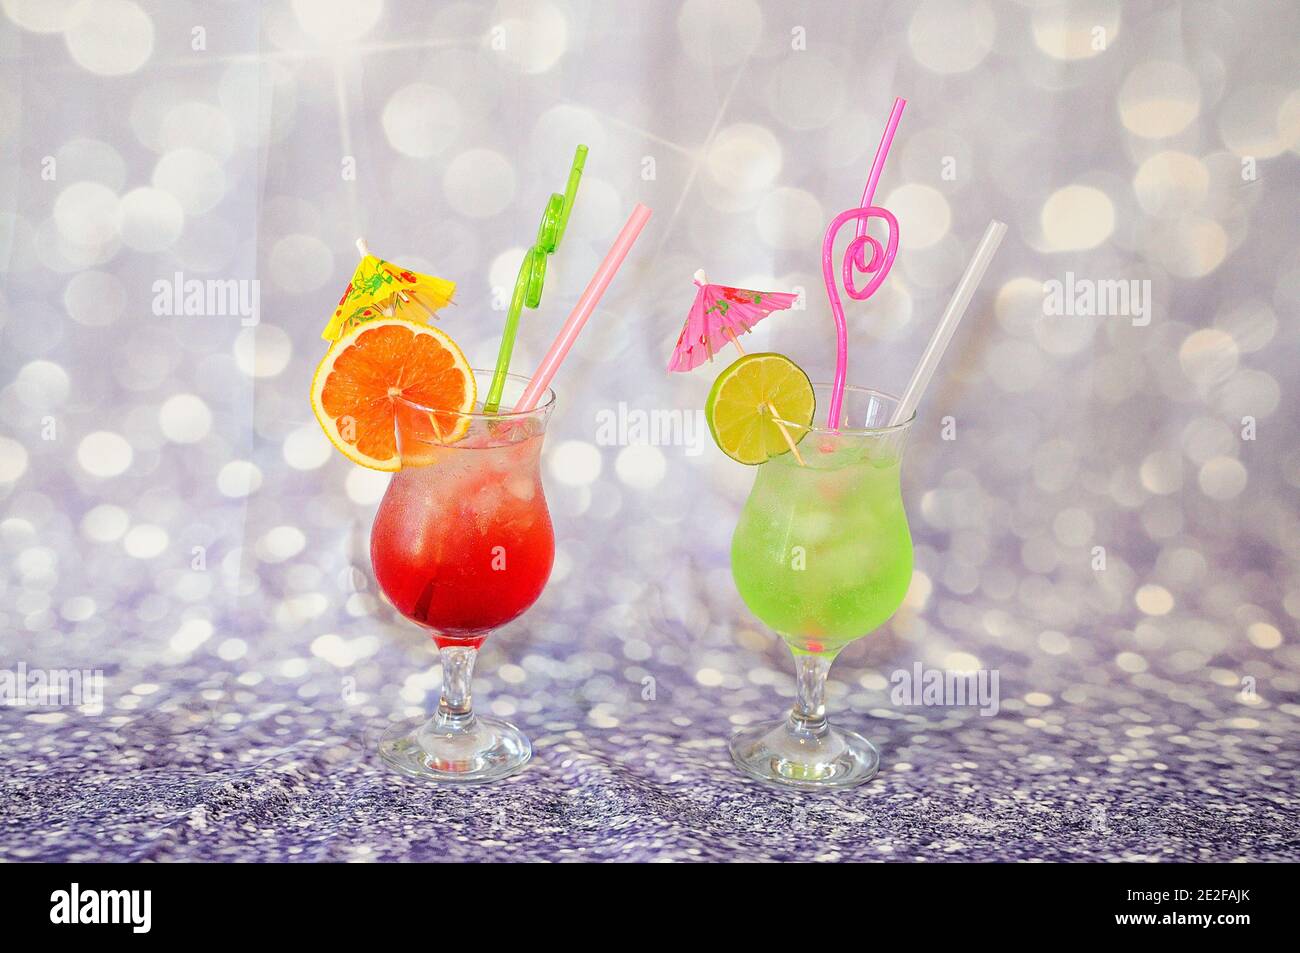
column 463, row 544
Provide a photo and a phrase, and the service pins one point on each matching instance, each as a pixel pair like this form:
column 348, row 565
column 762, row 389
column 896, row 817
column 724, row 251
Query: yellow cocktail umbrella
column 380, row 289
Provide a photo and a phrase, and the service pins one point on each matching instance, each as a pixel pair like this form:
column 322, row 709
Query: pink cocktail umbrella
column 718, row 316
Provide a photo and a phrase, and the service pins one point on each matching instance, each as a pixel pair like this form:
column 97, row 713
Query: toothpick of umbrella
column 718, row 313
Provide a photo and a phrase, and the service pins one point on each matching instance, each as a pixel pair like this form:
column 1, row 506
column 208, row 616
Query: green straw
column 532, row 274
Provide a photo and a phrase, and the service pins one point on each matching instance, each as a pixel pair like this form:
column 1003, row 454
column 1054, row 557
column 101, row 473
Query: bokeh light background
column 170, row 512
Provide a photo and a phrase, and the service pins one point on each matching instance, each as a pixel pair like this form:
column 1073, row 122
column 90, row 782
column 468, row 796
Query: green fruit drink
column 822, row 553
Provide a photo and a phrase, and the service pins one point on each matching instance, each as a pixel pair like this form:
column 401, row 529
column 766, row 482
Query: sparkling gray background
column 1148, row 710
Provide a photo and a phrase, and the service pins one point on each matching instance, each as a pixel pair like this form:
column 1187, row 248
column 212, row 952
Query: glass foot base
column 474, row 751
column 796, row 757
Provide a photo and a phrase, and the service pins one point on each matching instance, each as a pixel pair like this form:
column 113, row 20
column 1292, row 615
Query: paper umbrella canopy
column 718, row 316
column 381, row 289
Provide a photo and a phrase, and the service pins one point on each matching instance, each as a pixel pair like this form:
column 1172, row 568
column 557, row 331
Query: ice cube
column 521, row 486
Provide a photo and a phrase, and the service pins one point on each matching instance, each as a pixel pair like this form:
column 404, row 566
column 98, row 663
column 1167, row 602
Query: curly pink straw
column 882, row 259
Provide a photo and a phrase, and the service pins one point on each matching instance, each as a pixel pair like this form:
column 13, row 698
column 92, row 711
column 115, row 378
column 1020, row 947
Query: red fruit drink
column 464, row 544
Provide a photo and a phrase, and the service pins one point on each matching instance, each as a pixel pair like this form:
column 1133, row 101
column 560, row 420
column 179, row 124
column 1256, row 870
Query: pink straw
column 878, row 164
column 582, row 310
column 855, row 257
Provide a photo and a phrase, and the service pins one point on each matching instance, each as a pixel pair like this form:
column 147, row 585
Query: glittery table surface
column 1102, row 491
column 1119, row 773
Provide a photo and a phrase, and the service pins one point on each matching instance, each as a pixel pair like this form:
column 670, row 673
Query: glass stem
column 809, row 713
column 455, row 705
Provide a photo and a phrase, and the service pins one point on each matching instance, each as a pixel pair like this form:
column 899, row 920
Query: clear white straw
column 952, row 316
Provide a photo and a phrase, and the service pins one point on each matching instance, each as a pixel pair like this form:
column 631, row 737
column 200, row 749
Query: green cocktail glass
column 822, row 555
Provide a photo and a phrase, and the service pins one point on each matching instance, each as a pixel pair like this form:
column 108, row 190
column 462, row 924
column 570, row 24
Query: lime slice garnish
column 741, row 403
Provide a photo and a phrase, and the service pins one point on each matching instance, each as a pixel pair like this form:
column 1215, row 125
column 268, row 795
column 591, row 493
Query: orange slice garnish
column 356, row 385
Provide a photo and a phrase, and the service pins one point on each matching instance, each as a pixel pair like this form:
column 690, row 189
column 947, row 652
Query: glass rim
column 852, row 431
column 545, row 404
